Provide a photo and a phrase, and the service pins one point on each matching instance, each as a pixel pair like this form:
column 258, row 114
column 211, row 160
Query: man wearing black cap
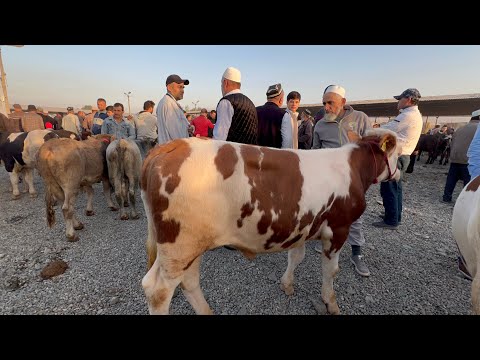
column 274, row 124
column 31, row 120
column 408, row 127
column 172, row 123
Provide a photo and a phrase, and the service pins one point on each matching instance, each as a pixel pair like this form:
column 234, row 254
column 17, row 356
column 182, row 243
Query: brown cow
column 202, row 194
column 66, row 166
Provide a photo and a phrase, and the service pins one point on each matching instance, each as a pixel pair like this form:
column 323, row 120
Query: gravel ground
column 413, row 269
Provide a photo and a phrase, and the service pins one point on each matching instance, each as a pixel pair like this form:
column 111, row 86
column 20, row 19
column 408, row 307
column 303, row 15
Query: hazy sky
column 77, row 75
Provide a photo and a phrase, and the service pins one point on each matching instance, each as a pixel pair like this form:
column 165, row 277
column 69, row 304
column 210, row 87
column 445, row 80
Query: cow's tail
column 121, row 149
column 44, row 168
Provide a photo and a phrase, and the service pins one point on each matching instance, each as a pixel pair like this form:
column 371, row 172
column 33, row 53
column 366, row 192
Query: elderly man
column 236, row 114
column 275, row 125
column 408, row 126
column 14, row 123
column 171, row 120
column 117, row 125
column 331, row 132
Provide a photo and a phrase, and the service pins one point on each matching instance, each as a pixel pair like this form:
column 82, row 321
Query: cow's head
column 385, row 142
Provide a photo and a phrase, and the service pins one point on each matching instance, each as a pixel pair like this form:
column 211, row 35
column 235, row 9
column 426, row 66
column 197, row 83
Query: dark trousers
column 455, row 172
column 391, row 192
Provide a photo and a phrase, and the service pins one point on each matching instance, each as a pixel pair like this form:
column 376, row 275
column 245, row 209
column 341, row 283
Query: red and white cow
column 202, row 194
column 466, row 232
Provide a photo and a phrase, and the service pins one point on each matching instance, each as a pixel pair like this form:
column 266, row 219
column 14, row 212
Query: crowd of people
column 237, row 119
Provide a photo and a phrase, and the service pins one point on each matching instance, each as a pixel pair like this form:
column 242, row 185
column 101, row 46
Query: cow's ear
column 353, row 136
column 388, row 143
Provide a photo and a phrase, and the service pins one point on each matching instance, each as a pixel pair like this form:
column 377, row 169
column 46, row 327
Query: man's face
column 333, row 104
column 176, row 90
column 117, row 112
column 293, row 104
column 101, row 105
column 403, row 103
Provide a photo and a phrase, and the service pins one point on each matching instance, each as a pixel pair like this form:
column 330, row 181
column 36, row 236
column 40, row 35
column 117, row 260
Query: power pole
column 128, row 96
column 4, row 85
column 4, row 82
column 195, row 104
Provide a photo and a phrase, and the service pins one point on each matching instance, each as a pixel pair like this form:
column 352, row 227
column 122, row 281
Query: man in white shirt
column 236, row 114
column 408, row 127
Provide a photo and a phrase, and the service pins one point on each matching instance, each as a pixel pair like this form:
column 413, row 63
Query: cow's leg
column 89, row 191
column 125, row 187
column 295, row 257
column 120, row 196
column 330, row 269
column 476, row 293
column 29, row 181
column 192, row 291
column 68, row 210
column 132, row 186
column 108, row 196
column 159, row 288
column 14, row 182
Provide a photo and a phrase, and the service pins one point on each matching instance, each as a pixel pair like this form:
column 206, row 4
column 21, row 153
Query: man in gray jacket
column 172, row 123
column 461, row 140
column 332, row 132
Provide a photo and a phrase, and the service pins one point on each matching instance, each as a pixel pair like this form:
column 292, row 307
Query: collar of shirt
column 173, row 98
column 234, row 91
column 410, row 108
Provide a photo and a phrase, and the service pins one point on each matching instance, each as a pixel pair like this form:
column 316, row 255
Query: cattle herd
column 200, row 194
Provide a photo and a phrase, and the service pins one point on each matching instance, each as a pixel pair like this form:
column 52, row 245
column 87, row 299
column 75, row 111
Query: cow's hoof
column 15, row 197
column 287, row 289
column 73, row 238
column 126, row 204
column 124, row 217
column 33, row 195
column 135, row 217
column 89, row 212
column 113, row 208
column 80, row 226
column 333, row 309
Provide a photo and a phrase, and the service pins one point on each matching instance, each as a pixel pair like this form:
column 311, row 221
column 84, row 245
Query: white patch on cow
column 72, row 136
column 262, row 155
column 466, row 232
column 13, row 136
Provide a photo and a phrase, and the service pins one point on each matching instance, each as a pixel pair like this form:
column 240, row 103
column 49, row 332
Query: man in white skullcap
column 331, row 132
column 236, row 114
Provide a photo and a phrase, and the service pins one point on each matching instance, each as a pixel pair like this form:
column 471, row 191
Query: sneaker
column 318, row 247
column 446, row 201
column 463, row 269
column 383, row 218
column 382, row 224
column 360, row 265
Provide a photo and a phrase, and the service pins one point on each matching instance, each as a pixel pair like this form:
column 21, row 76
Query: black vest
column 244, row 121
column 269, row 125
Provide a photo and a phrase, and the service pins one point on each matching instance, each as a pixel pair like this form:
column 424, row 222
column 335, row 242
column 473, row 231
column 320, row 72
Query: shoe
column 383, row 218
column 360, row 265
column 318, row 247
column 446, row 201
column 382, row 224
column 463, row 269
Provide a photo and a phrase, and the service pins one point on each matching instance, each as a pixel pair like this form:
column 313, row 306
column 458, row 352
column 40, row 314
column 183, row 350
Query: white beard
column 330, row 116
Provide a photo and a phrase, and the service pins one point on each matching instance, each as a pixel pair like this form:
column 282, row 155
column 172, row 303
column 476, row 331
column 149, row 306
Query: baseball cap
column 176, row 79
column 409, row 93
column 69, row 108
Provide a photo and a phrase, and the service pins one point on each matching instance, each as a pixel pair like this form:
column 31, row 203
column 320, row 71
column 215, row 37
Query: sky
column 61, row 76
